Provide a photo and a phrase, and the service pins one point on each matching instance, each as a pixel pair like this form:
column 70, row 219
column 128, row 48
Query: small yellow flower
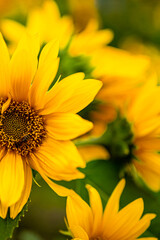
column 36, row 125
column 90, row 223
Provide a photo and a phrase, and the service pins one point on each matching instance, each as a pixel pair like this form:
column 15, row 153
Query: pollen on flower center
column 21, row 128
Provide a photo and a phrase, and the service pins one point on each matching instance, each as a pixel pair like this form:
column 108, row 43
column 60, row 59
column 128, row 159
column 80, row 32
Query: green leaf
column 8, row 225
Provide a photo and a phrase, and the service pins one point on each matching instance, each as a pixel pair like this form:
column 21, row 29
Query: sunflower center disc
column 21, row 128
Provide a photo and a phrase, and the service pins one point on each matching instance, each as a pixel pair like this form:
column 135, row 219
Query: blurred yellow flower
column 133, row 138
column 90, row 223
column 122, row 73
column 36, row 125
column 46, row 20
column 143, row 113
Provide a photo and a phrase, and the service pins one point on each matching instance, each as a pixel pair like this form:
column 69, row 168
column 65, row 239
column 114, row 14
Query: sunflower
column 133, row 138
column 143, row 114
column 36, row 125
column 90, row 223
column 123, row 74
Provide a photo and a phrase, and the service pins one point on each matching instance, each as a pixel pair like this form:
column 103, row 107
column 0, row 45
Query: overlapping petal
column 79, row 214
column 23, row 66
column 4, row 60
column 59, row 160
column 89, row 222
column 47, row 69
column 65, row 126
column 60, row 92
column 17, row 207
column 97, row 210
column 11, row 179
column 76, row 95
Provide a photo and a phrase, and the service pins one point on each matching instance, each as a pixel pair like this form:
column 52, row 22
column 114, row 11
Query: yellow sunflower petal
column 66, row 126
column 4, row 60
column 79, row 213
column 86, row 44
column 59, row 160
column 21, row 74
column 60, row 190
column 147, row 127
column 97, row 209
column 47, row 69
column 36, row 22
column 17, row 207
column 65, row 32
column 6, row 105
column 78, row 239
column 84, row 94
column 31, row 43
column 49, row 52
column 3, row 211
column 43, row 78
column 112, row 206
column 11, row 178
column 90, row 153
column 148, row 143
column 79, row 233
column 148, row 160
column 141, row 227
column 148, row 238
column 150, row 176
column 148, row 94
column 126, row 220
column 60, row 92
column 110, row 61
column 56, row 172
column 12, row 30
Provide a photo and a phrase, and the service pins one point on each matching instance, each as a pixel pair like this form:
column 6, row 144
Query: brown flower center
column 21, row 128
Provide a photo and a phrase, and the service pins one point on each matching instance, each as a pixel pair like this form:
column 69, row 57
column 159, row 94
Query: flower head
column 90, row 223
column 133, row 138
column 143, row 113
column 36, row 125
